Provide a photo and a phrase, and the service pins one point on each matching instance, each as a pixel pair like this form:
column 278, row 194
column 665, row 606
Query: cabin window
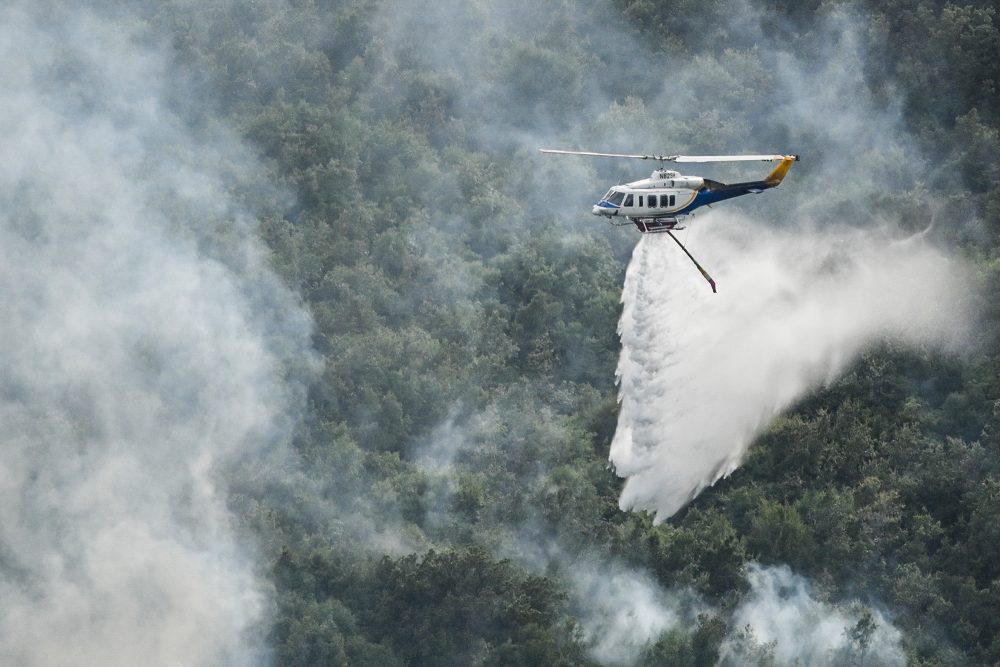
column 652, row 201
column 640, row 201
column 628, row 200
column 672, row 199
column 616, row 198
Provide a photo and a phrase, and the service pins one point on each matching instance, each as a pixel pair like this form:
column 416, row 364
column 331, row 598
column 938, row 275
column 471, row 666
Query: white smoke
column 623, row 611
column 781, row 616
column 701, row 374
column 134, row 360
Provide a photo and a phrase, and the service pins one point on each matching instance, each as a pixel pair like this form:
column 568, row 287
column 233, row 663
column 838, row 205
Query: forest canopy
column 441, row 493
column 467, row 326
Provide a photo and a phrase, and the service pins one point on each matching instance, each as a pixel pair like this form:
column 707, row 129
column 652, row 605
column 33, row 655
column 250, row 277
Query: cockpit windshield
column 616, row 198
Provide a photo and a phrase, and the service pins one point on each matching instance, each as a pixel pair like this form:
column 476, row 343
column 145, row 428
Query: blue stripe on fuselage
column 717, row 194
column 704, row 198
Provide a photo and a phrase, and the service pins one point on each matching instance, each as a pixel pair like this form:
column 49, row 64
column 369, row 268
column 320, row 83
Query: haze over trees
column 444, row 496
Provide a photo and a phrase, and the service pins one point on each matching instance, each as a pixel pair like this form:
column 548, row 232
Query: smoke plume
column 781, row 618
column 623, row 611
column 137, row 357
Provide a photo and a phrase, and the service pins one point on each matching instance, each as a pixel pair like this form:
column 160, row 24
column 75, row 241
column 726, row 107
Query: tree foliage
column 468, row 345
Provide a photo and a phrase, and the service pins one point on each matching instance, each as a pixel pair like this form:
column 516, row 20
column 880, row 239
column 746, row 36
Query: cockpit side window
column 628, row 200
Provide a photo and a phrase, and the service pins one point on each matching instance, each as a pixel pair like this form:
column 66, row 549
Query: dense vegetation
column 467, row 332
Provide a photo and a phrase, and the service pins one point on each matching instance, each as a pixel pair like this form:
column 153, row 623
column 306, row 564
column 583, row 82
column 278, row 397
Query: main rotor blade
column 676, row 158
column 726, row 158
column 592, row 154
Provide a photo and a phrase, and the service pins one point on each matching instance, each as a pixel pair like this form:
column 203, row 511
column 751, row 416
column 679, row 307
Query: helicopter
column 657, row 204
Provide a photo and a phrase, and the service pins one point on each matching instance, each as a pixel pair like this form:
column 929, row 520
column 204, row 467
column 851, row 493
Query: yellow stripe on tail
column 776, row 176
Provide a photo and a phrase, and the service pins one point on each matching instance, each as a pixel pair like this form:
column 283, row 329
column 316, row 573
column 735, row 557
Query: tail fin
column 776, row 176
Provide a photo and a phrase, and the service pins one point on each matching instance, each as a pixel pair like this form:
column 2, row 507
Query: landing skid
column 647, row 225
column 655, row 226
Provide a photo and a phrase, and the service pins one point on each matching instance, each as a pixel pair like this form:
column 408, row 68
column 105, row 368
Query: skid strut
column 704, row 273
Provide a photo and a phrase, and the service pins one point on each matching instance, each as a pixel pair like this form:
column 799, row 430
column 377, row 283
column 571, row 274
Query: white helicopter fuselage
column 664, row 194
